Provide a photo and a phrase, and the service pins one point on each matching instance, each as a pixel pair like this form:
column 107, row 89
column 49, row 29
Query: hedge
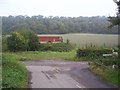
column 92, row 52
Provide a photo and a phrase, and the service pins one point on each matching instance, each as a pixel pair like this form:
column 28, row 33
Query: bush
column 31, row 37
column 60, row 47
column 109, row 61
column 16, row 42
column 92, row 52
column 14, row 74
column 22, row 41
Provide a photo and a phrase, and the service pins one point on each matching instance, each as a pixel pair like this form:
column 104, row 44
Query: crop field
column 86, row 40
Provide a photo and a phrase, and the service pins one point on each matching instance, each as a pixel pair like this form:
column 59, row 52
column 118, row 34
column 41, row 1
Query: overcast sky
column 71, row 8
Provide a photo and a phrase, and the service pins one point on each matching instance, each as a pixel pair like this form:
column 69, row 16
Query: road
column 63, row 74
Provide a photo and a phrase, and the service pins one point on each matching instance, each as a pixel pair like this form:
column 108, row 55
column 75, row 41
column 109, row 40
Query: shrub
column 31, row 37
column 22, row 41
column 60, row 47
column 92, row 52
column 81, row 53
column 110, row 61
column 16, row 42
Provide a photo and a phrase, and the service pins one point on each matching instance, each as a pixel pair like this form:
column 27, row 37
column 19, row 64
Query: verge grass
column 108, row 74
column 41, row 55
column 14, row 74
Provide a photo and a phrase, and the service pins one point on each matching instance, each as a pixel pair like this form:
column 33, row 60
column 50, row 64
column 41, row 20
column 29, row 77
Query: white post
column 113, row 66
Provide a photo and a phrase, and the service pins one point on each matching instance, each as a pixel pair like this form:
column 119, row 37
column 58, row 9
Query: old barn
column 50, row 38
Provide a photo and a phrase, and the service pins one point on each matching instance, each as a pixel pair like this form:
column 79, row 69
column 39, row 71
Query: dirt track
column 63, row 74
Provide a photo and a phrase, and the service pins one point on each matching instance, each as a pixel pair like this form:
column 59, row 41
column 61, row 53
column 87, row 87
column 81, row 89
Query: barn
column 50, row 38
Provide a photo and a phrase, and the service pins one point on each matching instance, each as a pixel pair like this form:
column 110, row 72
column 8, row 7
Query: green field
column 83, row 39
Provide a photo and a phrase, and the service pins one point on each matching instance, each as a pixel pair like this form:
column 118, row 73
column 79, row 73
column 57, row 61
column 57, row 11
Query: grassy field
column 82, row 39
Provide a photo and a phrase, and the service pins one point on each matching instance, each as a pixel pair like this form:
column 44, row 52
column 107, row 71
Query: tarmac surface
column 63, row 74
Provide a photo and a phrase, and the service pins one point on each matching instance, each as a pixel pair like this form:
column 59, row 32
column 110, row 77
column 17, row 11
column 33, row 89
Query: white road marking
column 78, row 86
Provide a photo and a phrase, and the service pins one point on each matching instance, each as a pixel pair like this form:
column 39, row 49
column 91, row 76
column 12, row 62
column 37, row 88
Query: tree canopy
column 16, row 42
column 57, row 25
column 23, row 41
column 115, row 20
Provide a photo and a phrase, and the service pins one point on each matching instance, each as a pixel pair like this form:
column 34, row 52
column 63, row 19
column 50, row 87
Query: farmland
column 83, row 40
column 53, row 51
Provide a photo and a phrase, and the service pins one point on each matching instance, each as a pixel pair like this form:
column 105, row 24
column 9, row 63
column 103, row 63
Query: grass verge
column 14, row 74
column 111, row 75
column 43, row 55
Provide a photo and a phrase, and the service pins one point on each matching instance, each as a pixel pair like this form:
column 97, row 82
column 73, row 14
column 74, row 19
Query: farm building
column 50, row 38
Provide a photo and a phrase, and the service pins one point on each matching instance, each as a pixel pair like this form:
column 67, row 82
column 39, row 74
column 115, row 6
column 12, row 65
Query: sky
column 67, row 8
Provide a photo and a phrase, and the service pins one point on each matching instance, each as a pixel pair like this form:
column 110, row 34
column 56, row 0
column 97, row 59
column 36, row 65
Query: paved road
column 63, row 74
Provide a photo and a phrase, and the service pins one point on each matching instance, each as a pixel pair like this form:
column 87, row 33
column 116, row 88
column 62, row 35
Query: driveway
column 63, row 74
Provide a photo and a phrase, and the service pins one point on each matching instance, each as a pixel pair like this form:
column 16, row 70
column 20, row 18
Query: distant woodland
column 57, row 25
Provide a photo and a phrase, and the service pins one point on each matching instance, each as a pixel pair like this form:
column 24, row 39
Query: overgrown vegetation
column 14, row 74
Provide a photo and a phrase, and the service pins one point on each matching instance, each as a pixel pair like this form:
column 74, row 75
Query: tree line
column 57, row 25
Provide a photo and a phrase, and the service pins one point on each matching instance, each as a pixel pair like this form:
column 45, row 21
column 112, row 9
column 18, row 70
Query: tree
column 115, row 20
column 23, row 40
column 16, row 42
column 33, row 42
column 4, row 43
column 31, row 37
